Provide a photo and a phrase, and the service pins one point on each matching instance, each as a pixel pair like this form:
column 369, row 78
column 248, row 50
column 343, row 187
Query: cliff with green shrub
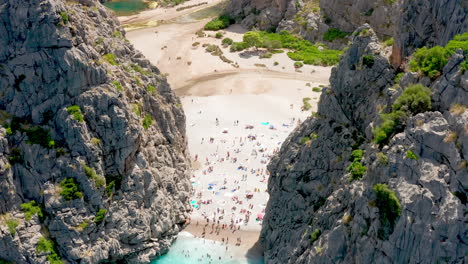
column 93, row 159
column 379, row 173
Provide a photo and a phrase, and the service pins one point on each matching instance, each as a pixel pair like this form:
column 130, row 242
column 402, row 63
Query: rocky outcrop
column 79, row 103
column 317, row 214
column 436, row 23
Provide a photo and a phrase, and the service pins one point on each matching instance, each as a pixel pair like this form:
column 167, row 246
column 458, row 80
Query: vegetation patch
column 70, row 190
column 100, row 215
column 334, row 33
column 368, row 60
column 147, row 121
column 414, row 100
column 315, row 235
column 65, row 18
column 317, row 89
column 398, row 77
column 389, row 208
column 218, row 23
column 117, row 85
column 139, row 69
column 91, row 174
column 30, row 209
column 110, row 58
column 75, row 111
column 430, row 62
column 356, row 168
column 227, row 41
column 40, row 136
column 47, row 246
column 306, row 104
column 11, row 223
column 113, row 183
column 298, row 64
column 150, row 89
column 410, row 155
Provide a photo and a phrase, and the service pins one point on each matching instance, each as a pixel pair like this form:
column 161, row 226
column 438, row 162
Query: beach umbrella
column 260, row 216
column 193, row 202
column 211, row 184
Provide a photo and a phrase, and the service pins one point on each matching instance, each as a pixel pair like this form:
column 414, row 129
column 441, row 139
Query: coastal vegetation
column 218, row 23
column 299, row 49
column 30, row 209
column 334, row 33
column 70, row 190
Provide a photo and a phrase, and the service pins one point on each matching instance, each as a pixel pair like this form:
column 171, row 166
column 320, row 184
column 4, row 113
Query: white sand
column 210, row 89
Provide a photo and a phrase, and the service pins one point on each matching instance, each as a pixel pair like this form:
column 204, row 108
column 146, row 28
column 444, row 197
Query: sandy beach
column 237, row 118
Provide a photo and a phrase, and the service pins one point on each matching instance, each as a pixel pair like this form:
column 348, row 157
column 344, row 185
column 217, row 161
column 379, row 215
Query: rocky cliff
column 336, row 196
column 313, row 18
column 435, row 23
column 93, row 159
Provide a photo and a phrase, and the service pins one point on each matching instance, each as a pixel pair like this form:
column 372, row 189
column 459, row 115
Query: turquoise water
column 126, row 7
column 190, row 250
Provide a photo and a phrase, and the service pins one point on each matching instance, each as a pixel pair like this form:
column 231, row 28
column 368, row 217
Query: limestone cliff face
column 428, row 23
column 122, row 143
column 312, row 18
column 317, row 215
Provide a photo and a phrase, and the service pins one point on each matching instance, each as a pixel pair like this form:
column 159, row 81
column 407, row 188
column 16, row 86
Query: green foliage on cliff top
column 75, row 111
column 147, row 121
column 315, row 235
column 431, row 61
column 414, row 100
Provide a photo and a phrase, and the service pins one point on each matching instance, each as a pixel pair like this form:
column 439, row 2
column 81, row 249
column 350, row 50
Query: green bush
column 368, row 60
column 219, row 23
column 298, row 64
column 398, row 77
column 47, row 246
column 91, row 174
column 357, row 170
column 458, row 42
column 70, row 190
column 218, row 35
column 388, row 204
column 356, row 155
column 304, row 140
column 117, row 85
column 139, row 69
column 227, row 41
column 100, row 215
column 391, row 124
column 147, row 121
column 12, row 224
column 315, row 235
column 382, row 158
column 317, row 89
column 415, row 99
column 64, row 16
column 334, row 33
column 252, row 39
column 238, row 46
column 15, row 156
column 429, row 61
column 464, row 66
column 151, row 89
column 389, row 42
column 40, row 136
column 410, row 155
column 110, row 58
column 30, row 209
column 113, row 183
column 266, row 56
column 76, row 112
column 306, row 104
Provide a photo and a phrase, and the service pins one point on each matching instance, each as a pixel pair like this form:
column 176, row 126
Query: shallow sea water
column 126, row 7
column 191, row 250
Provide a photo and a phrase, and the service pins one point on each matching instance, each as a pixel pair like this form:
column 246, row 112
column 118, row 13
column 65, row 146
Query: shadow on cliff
column 255, row 254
